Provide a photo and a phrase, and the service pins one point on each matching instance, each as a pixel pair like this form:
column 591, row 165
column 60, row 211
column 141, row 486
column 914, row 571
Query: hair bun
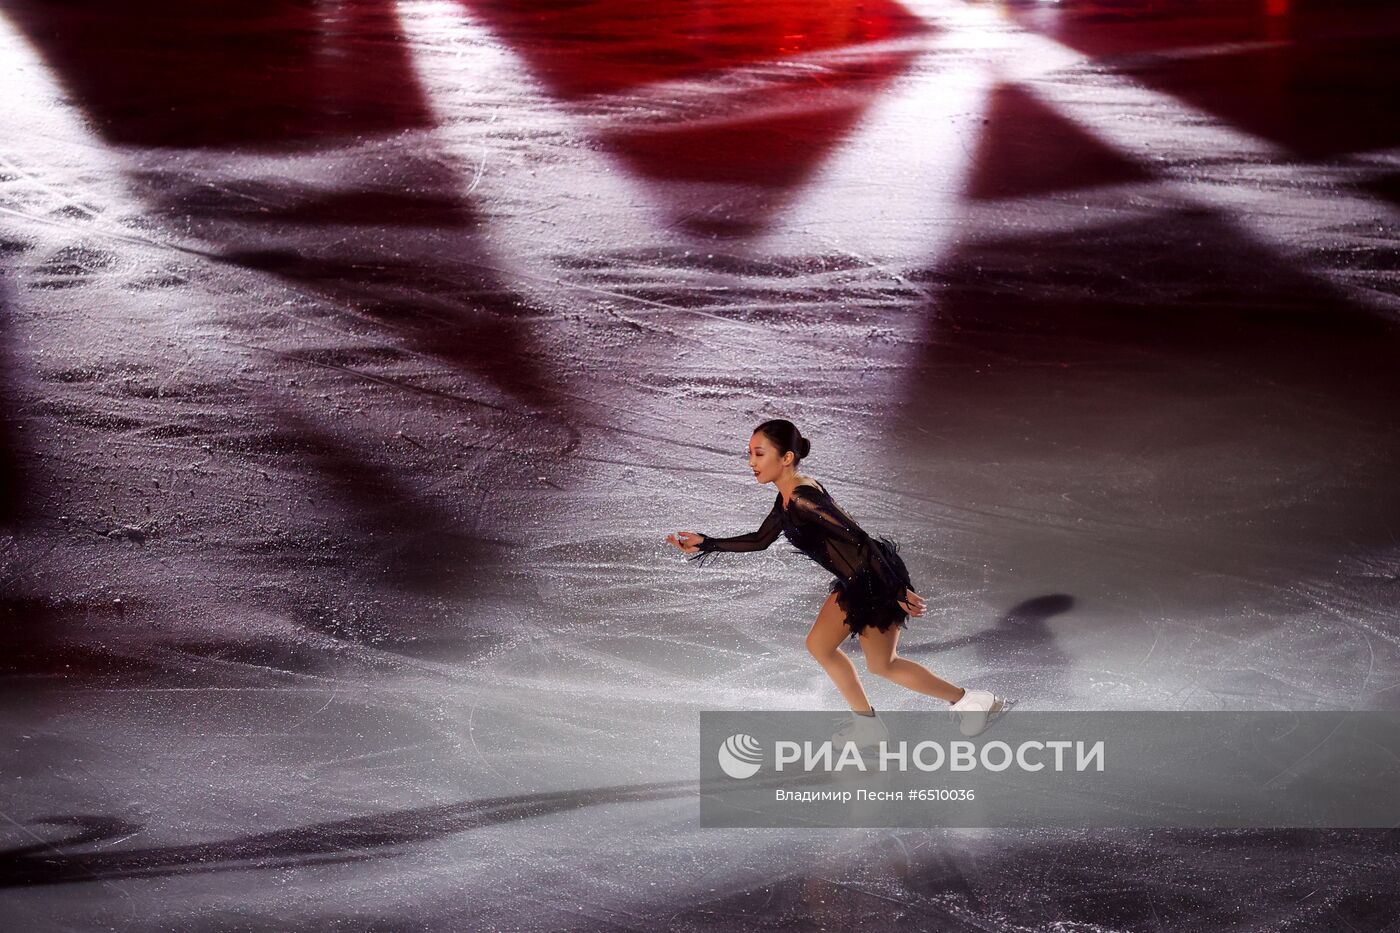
column 804, row 447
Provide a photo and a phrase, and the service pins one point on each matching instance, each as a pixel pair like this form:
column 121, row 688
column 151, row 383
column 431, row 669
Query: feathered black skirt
column 868, row 602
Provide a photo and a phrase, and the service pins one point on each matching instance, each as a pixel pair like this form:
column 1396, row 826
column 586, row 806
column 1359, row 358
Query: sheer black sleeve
column 753, row 541
column 847, row 543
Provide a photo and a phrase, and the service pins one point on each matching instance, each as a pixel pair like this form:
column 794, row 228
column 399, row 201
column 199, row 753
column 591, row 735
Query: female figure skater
column 871, row 595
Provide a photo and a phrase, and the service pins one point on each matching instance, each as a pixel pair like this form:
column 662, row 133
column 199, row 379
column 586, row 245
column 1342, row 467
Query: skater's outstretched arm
column 706, row 547
column 851, row 543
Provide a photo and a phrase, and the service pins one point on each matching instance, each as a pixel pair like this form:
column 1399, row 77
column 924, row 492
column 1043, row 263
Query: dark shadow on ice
column 380, row 561
column 394, row 253
column 38, row 653
column 1028, row 149
column 229, row 73
column 753, row 161
column 291, row 76
column 1173, row 389
column 86, row 829
column 265, row 654
column 397, row 537
column 1387, row 186
column 17, row 495
column 1317, row 76
column 456, row 314
column 279, row 205
column 1022, row 632
column 1105, row 879
column 1133, row 27
column 375, row 836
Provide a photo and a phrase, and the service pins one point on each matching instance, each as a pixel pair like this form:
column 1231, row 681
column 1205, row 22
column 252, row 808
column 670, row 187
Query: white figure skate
column 865, row 731
column 977, row 710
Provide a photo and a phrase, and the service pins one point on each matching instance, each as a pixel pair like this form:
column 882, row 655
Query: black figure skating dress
column 870, row 575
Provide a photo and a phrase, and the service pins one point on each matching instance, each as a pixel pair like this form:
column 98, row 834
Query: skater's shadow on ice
column 1022, row 632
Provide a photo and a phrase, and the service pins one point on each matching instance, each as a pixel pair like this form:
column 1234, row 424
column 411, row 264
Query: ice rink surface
column 357, row 358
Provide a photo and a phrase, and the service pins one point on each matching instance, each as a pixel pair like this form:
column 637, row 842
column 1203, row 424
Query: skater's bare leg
column 824, row 642
column 882, row 660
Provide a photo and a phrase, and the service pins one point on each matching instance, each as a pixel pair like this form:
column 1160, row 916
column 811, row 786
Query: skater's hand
column 913, row 603
column 688, row 541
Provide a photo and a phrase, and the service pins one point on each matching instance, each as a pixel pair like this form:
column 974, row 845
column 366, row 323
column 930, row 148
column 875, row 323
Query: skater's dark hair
column 786, row 437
